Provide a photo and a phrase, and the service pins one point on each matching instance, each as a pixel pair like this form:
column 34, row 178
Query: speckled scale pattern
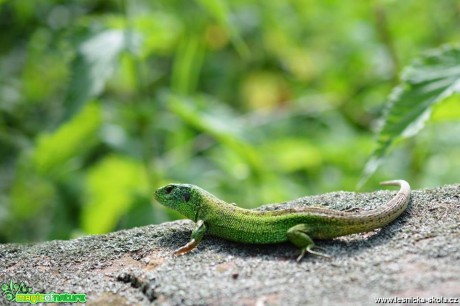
column 249, row 226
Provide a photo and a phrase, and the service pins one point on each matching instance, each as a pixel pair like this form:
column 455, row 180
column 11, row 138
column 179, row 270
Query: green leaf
column 54, row 150
column 448, row 110
column 159, row 30
column 111, row 188
column 187, row 65
column 429, row 80
column 95, row 62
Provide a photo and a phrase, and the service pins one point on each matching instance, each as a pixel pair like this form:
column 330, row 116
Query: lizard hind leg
column 298, row 235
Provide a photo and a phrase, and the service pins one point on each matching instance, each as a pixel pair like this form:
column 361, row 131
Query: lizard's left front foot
column 186, row 248
column 197, row 235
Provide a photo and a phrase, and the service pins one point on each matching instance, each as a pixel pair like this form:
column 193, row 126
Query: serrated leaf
column 429, row 80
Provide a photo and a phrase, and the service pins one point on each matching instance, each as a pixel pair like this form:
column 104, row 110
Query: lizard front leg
column 298, row 235
column 197, row 234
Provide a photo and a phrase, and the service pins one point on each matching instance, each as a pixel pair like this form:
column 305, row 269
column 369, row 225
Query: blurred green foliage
column 429, row 80
column 101, row 102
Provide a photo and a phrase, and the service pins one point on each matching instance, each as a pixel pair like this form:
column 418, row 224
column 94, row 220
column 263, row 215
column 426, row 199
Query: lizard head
column 184, row 198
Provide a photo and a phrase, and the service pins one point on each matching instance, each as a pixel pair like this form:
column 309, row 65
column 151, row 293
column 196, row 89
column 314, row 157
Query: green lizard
column 299, row 226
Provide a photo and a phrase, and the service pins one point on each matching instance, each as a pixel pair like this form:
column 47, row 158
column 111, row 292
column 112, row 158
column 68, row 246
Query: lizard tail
column 403, row 184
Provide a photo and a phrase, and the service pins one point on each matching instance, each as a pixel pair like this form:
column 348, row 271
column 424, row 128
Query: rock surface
column 417, row 256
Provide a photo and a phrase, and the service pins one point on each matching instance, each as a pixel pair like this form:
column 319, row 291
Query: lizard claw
column 309, row 249
column 302, row 254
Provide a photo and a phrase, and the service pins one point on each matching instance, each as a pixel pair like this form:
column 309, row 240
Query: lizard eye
column 187, row 196
column 169, row 189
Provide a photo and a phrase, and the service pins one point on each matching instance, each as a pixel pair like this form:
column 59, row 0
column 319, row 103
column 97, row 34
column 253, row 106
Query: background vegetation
column 101, row 102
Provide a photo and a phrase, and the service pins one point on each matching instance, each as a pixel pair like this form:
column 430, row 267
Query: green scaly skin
column 299, row 226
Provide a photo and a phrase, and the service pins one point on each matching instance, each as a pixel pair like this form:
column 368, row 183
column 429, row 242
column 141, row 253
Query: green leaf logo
column 10, row 290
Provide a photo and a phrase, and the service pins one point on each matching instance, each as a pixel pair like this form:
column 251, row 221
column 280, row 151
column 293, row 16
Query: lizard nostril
column 169, row 189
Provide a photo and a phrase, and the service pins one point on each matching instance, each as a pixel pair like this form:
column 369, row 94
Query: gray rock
column 416, row 256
